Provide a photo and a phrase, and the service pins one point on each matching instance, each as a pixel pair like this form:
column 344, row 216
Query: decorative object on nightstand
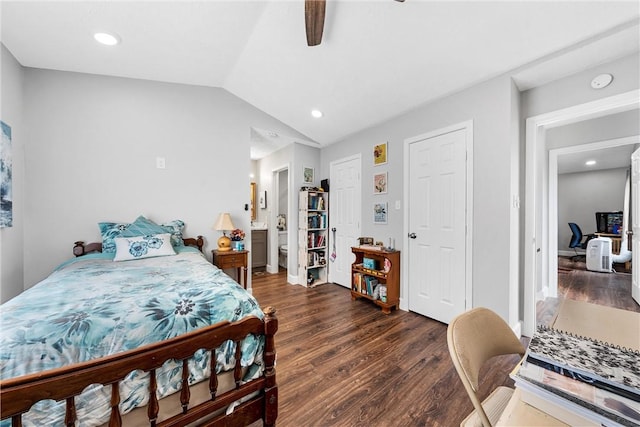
column 237, row 239
column 224, row 224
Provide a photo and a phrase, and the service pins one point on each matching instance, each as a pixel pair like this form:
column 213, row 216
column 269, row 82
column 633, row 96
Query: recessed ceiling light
column 590, row 162
column 107, row 39
column 316, row 113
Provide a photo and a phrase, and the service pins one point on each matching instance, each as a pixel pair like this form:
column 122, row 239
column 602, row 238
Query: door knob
column 412, row 235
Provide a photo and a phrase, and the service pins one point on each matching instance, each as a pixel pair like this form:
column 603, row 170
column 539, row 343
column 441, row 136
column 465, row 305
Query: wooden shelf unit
column 313, row 225
column 390, row 278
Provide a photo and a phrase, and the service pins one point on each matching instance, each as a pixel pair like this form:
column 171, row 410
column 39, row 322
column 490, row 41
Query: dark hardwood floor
column 577, row 283
column 610, row 289
column 344, row 363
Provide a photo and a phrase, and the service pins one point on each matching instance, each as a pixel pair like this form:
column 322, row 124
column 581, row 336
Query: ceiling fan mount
column 314, row 11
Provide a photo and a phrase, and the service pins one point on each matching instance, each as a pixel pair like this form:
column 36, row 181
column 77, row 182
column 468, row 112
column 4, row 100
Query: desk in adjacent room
column 616, row 241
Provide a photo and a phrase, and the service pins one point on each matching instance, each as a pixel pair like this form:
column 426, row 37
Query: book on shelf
column 315, row 240
column 316, row 203
column 357, row 283
column 317, row 221
column 372, row 282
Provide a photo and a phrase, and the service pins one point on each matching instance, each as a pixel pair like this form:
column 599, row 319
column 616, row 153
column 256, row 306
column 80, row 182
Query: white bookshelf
column 313, row 225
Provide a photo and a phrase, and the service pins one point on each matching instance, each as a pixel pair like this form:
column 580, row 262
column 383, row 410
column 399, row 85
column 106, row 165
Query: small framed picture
column 380, row 183
column 380, row 213
column 307, row 175
column 380, row 154
column 263, row 200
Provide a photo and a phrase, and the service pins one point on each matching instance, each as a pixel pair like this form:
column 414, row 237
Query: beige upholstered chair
column 473, row 338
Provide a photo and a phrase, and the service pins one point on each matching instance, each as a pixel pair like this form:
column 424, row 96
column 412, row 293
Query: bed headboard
column 80, row 248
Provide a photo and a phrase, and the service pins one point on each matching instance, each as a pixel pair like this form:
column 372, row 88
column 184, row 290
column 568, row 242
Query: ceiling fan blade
column 314, row 20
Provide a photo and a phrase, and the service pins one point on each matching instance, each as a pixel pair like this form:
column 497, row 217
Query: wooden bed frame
column 259, row 396
column 80, row 248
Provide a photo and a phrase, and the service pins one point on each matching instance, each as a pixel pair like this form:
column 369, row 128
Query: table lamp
column 224, row 224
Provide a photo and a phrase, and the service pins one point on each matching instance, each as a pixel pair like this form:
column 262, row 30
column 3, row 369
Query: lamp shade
column 223, row 223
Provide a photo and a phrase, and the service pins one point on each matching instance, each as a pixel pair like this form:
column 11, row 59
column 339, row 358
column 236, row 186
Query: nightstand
column 232, row 259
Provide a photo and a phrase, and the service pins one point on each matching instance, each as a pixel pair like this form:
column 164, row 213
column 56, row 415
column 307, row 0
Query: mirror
column 252, row 193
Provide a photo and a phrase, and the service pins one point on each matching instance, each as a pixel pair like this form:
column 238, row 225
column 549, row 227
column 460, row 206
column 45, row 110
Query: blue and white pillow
column 109, row 231
column 154, row 245
column 145, row 227
column 175, row 227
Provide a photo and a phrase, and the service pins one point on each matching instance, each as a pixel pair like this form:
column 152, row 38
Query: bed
column 101, row 342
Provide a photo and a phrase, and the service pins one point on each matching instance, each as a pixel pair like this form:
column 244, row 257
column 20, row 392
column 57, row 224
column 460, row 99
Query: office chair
column 576, row 239
column 474, row 337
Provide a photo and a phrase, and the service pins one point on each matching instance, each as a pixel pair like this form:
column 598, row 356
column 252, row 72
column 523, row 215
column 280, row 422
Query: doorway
column 537, row 231
column 279, row 220
column 439, row 216
column 555, row 156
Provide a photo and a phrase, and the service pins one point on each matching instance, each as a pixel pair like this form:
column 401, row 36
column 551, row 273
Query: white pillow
column 128, row 248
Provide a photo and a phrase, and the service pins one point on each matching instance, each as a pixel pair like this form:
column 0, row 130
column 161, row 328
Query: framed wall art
column 307, row 175
column 380, row 183
column 262, row 200
column 380, row 213
column 380, row 154
column 6, row 172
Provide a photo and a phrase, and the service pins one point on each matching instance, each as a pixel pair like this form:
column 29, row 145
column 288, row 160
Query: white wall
column 581, row 195
column 11, row 238
column 613, row 126
column 576, row 89
column 490, row 106
column 91, row 157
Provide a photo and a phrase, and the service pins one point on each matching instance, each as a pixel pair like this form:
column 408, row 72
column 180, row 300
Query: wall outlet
column 160, row 162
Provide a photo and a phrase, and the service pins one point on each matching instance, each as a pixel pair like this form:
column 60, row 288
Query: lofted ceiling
column 377, row 59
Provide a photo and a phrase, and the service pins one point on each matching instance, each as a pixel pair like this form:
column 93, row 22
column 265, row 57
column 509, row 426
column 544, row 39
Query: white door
column 344, row 217
column 437, row 223
column 635, row 223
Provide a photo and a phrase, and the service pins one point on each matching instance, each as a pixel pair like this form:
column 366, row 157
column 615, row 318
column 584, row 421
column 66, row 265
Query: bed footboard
column 260, row 395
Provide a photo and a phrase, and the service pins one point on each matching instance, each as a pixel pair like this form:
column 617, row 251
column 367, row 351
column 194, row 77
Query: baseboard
column 292, row 278
column 517, row 329
column 542, row 294
column 271, row 269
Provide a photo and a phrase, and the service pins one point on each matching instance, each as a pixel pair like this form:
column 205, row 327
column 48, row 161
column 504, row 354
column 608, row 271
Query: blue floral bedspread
column 92, row 306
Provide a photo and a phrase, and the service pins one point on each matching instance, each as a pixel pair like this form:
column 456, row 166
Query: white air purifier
column 599, row 257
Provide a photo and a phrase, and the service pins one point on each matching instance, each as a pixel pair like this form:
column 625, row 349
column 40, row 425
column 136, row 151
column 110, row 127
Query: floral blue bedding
column 92, row 306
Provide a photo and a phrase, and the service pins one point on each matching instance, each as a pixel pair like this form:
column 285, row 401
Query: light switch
column 160, row 163
column 397, row 204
